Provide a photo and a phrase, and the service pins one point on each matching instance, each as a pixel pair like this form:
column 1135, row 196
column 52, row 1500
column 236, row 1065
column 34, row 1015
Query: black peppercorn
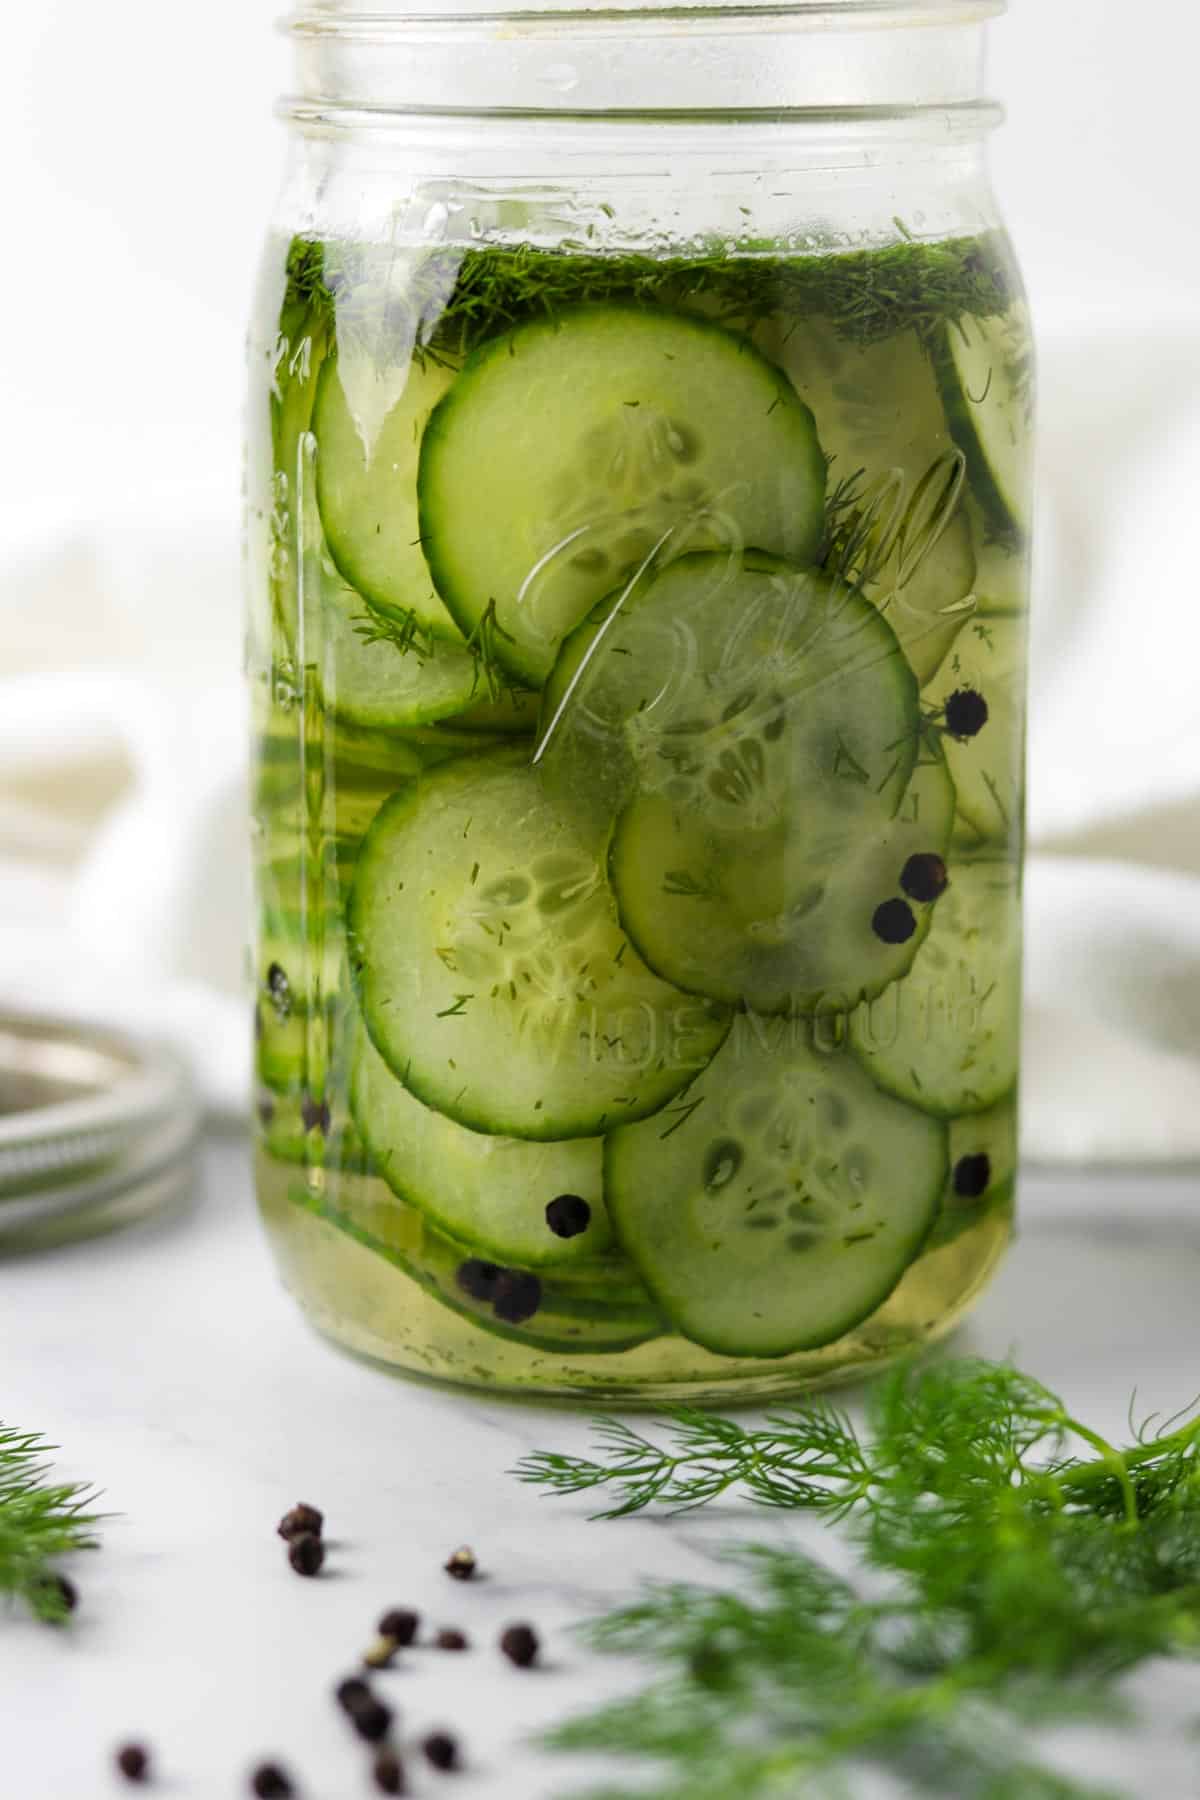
column 371, row 1719
column 400, row 1624
column 388, row 1773
column 451, row 1640
column 299, row 1520
column 517, row 1296
column 924, row 877
column 893, row 922
column 353, row 1693
column 520, row 1644
column 972, row 1175
column 280, row 990
column 478, row 1279
column 441, row 1750
column 133, row 1760
column 315, row 1114
column 568, row 1215
column 966, row 713
column 461, row 1563
column 270, row 1782
column 306, row 1554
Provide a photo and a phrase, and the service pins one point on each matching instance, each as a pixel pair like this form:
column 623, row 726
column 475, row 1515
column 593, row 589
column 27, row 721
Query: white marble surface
column 170, row 1367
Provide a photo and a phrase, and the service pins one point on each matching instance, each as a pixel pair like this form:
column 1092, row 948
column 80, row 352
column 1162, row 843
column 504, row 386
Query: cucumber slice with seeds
column 783, row 1204
column 985, row 367
column 493, row 975
column 568, row 449
column 946, row 1037
column 723, row 914
column 760, row 697
column 491, row 1192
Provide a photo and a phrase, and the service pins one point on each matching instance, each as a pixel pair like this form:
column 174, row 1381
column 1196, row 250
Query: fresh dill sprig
column 483, row 643
column 39, row 1520
column 878, row 527
column 819, row 1465
column 1013, row 1564
column 305, row 271
column 405, row 632
column 456, row 299
column 400, row 628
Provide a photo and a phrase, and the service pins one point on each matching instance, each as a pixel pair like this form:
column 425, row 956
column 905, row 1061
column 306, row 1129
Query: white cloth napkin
column 123, row 864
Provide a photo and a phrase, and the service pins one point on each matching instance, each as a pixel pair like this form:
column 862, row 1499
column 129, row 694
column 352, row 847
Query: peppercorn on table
column 170, row 1368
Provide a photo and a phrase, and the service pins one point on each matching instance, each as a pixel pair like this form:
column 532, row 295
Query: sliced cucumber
column 724, row 914
column 928, row 598
column 556, row 1316
column 946, row 1037
column 366, row 484
column 892, row 466
column 280, row 1045
column 985, row 367
column 983, row 1167
column 297, row 1127
column 513, row 712
column 374, row 755
column 782, row 1204
column 284, row 876
column 568, row 449
column 762, row 698
column 1002, row 571
column 978, row 700
column 494, row 977
column 288, row 961
column 373, row 681
column 372, row 670
column 517, row 1202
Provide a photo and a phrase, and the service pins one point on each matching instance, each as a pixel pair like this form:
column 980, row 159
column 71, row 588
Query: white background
column 142, row 160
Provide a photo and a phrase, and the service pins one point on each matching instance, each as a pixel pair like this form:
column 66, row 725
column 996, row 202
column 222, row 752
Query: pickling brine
column 638, row 650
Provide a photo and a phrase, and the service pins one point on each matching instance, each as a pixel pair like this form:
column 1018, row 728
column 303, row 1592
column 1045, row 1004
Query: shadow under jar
column 638, row 522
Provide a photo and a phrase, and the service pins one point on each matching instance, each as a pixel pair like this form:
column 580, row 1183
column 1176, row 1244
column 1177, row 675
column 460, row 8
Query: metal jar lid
column 91, row 1121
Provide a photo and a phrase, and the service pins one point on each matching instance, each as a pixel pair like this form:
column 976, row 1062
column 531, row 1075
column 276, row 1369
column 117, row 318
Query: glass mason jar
column 639, row 495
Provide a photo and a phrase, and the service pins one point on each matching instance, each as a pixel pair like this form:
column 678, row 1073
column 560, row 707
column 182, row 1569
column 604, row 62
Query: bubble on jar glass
column 562, row 77
column 722, row 1161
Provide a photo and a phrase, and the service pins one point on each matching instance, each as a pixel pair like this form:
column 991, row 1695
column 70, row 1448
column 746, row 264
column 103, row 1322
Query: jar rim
column 353, row 18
